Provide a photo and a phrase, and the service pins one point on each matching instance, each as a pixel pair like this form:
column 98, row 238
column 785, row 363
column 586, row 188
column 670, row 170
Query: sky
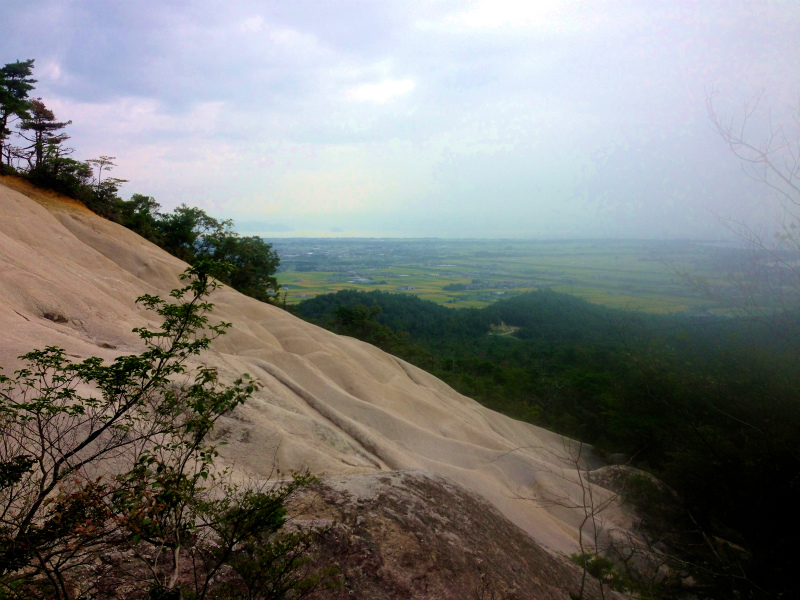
column 406, row 118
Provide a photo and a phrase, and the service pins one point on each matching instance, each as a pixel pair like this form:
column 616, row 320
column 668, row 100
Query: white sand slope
column 329, row 403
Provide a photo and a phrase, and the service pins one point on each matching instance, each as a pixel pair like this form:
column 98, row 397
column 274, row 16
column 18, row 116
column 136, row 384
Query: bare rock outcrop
column 410, row 534
column 331, row 404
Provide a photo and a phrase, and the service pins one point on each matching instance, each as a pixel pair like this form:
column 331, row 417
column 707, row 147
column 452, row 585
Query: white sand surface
column 328, row 403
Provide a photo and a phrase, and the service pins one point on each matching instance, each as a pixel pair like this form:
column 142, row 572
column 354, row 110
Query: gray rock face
column 413, row 535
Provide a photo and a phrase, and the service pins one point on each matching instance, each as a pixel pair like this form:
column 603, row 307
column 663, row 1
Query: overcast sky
column 491, row 118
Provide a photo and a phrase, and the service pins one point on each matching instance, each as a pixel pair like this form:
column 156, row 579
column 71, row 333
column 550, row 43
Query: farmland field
column 639, row 275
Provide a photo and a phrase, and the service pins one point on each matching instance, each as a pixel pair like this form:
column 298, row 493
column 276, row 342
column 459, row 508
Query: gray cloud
column 250, row 227
column 417, row 118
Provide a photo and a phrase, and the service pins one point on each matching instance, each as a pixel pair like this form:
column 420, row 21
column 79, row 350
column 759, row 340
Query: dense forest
column 709, row 405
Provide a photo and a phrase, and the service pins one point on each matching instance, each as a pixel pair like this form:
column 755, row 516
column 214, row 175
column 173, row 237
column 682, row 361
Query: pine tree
column 15, row 83
column 45, row 134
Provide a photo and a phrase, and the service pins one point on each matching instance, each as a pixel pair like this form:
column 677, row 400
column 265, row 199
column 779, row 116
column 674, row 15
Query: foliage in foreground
column 108, row 485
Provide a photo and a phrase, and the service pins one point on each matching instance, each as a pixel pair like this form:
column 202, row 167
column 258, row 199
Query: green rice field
column 637, row 275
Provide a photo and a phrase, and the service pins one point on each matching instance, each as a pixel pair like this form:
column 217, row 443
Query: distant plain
column 651, row 276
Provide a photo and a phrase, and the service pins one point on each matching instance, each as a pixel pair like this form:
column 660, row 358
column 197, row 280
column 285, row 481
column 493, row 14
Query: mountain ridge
column 328, row 403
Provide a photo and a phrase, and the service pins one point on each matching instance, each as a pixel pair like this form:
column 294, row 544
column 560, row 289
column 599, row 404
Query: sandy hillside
column 329, row 403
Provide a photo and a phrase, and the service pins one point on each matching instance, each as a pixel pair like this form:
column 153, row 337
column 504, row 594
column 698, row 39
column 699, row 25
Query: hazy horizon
column 698, row 240
column 554, row 119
